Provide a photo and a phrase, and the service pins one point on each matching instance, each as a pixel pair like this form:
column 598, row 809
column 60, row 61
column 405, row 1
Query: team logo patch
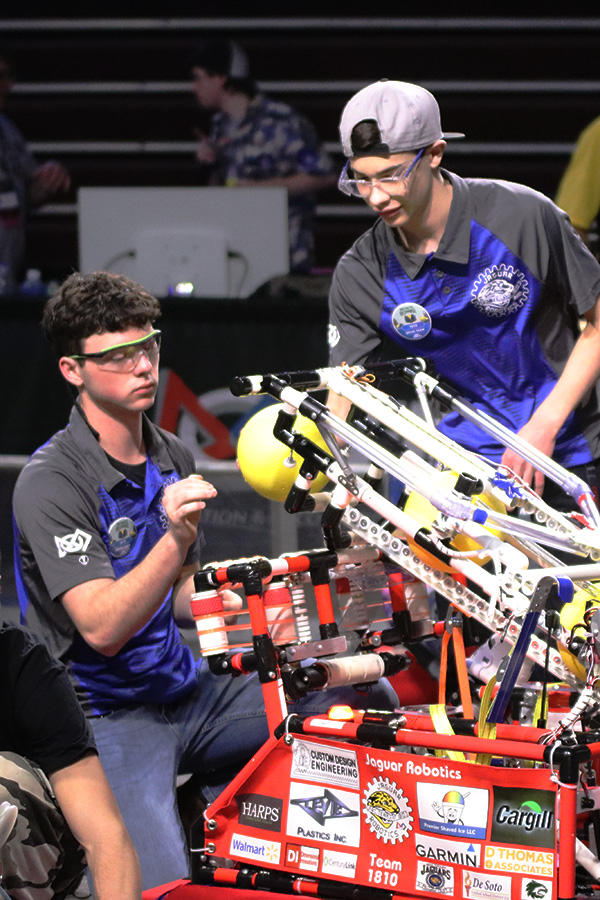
column 500, row 290
column 434, row 878
column 387, row 811
column 76, row 542
column 333, row 335
column 533, row 889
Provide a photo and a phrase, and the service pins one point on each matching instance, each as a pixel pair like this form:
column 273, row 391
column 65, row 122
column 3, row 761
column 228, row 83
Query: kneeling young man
column 107, row 516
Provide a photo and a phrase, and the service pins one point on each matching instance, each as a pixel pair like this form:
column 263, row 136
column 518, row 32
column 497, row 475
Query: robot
column 496, row 792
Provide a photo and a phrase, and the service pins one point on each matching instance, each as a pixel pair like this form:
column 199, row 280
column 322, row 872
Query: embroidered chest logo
column 500, row 290
column 76, row 542
column 333, row 335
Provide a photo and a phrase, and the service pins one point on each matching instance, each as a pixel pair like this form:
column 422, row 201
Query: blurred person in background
column 23, row 183
column 254, row 140
column 579, row 189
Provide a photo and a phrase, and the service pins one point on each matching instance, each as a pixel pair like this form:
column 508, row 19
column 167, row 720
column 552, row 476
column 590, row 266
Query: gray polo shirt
column 495, row 308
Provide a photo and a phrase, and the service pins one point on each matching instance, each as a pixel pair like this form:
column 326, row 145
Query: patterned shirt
column 273, row 141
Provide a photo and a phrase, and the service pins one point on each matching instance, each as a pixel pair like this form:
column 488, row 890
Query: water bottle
column 33, row 286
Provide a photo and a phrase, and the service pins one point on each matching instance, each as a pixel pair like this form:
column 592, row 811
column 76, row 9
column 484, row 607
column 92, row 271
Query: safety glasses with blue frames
column 125, row 357
column 362, row 187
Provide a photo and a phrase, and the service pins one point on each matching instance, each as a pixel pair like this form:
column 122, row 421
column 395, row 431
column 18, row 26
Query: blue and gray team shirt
column 78, row 519
column 496, row 309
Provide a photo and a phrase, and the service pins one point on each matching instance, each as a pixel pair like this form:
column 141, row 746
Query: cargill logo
column 524, row 817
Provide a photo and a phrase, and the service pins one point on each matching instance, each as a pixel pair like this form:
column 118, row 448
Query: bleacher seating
column 111, row 98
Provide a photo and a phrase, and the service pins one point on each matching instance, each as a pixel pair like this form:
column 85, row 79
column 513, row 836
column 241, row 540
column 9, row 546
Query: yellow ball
column 425, row 513
column 265, row 462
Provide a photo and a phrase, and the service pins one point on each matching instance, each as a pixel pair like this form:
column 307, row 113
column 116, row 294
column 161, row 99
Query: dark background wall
column 108, row 92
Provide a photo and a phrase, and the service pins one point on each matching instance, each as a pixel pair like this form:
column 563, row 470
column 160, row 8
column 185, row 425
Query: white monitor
column 203, row 241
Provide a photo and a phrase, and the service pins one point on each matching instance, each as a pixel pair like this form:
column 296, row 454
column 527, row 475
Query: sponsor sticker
column 332, row 765
column 518, row 859
column 386, row 810
column 462, row 853
column 297, row 856
column 524, row 816
column 324, row 814
column 445, row 810
column 484, row 886
column 536, row 889
column 435, row 878
column 259, row 811
column 341, row 865
column 255, row 849
column 76, row 542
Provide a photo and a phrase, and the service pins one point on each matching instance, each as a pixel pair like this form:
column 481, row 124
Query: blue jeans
column 214, row 730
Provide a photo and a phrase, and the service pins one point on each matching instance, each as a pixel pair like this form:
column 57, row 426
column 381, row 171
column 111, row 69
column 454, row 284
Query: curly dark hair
column 95, row 304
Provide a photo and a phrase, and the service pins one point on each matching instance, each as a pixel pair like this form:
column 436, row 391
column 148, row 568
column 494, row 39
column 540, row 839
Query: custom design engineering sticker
column 386, row 811
column 318, row 762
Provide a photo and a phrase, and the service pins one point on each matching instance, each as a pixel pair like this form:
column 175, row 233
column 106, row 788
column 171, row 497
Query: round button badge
column 411, row 321
column 122, row 533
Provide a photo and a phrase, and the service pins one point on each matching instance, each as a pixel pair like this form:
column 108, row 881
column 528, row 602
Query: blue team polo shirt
column 496, row 309
column 66, row 503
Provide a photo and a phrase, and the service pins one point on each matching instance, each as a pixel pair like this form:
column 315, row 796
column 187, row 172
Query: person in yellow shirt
column 579, row 189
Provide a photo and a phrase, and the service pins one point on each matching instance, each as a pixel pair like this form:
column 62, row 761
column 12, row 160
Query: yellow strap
column 486, row 729
column 442, row 725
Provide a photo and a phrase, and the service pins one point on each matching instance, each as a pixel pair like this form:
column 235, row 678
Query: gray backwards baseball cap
column 408, row 117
